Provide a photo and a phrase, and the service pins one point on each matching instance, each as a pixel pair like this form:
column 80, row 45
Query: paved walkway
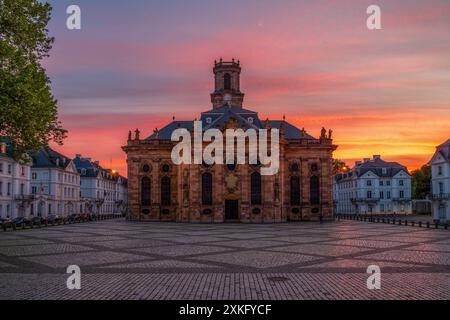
column 128, row 260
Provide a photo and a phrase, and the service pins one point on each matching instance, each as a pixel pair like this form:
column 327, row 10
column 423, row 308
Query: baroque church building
column 159, row 190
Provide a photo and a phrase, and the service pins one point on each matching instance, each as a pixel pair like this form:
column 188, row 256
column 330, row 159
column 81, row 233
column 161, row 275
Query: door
column 231, row 209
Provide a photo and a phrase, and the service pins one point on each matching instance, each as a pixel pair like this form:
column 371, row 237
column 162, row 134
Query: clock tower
column 227, row 84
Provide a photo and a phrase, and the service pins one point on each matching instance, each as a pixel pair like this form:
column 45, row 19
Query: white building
column 440, row 182
column 15, row 199
column 55, row 184
column 103, row 191
column 373, row 186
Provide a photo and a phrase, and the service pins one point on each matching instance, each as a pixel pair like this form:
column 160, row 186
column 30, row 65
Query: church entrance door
column 231, row 210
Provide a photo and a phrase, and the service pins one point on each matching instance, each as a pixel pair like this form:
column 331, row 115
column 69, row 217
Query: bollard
column 383, row 220
column 393, row 221
column 428, row 224
column 446, row 226
column 399, row 222
column 413, row 223
column 406, row 222
column 436, row 225
column 420, row 224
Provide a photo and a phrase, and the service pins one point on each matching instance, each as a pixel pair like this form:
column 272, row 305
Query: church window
column 255, row 188
column 145, row 191
column 294, row 167
column 165, row 168
column 227, row 81
column 314, row 189
column 165, row 191
column 146, row 168
column 207, row 188
column 295, row 190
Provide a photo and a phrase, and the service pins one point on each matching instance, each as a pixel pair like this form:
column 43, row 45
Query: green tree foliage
column 421, row 182
column 28, row 110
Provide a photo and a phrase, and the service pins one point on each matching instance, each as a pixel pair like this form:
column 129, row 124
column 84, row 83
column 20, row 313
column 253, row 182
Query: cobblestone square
column 295, row 261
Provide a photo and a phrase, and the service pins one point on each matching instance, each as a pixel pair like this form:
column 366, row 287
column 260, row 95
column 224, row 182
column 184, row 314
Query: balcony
column 365, row 199
column 24, row 197
column 441, row 196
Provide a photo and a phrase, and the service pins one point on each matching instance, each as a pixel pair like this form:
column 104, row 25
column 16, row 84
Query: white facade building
column 440, row 182
column 15, row 199
column 55, row 184
column 373, row 186
column 103, row 191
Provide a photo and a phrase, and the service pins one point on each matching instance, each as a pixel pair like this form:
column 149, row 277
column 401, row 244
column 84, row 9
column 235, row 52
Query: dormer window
column 384, row 170
column 250, row 120
column 209, row 120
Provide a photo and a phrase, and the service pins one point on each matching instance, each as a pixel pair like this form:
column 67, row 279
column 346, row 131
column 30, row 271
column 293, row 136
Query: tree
column 28, row 110
column 421, row 182
column 339, row 166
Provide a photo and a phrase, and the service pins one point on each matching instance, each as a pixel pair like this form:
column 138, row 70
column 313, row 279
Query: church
column 301, row 190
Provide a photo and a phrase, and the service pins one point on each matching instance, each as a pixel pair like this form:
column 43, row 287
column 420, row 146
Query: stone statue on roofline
column 323, row 133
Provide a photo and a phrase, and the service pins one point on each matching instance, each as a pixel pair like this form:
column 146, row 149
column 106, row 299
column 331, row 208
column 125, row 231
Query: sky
column 137, row 63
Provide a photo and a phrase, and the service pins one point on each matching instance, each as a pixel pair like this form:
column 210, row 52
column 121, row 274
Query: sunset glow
column 138, row 64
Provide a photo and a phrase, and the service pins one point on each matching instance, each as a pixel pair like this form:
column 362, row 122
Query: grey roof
column 88, row 169
column 49, row 158
column 375, row 166
column 444, row 149
column 217, row 118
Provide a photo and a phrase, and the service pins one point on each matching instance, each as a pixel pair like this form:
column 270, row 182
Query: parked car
column 38, row 221
column 22, row 222
column 53, row 219
column 6, row 224
column 75, row 218
column 86, row 217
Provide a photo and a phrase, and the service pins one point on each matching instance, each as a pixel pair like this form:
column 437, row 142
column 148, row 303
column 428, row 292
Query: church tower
column 227, row 84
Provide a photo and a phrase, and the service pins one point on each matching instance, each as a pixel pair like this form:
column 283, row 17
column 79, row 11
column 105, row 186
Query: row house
column 440, row 182
column 15, row 199
column 103, row 191
column 373, row 186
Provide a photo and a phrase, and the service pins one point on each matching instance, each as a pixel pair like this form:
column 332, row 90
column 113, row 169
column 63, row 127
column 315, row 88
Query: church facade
column 301, row 190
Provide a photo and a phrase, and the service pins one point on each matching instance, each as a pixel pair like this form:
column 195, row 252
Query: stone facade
column 159, row 190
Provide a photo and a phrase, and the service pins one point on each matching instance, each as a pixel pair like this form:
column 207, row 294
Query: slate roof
column 375, row 166
column 217, row 118
column 49, row 158
column 444, row 149
column 89, row 169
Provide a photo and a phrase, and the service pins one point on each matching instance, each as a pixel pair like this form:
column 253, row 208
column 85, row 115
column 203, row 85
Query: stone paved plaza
column 128, row 260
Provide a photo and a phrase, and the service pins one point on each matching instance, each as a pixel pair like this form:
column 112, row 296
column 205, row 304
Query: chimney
column 97, row 163
column 358, row 163
column 366, row 160
column 78, row 156
column 376, row 157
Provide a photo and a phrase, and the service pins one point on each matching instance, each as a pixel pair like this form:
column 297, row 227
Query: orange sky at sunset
column 136, row 65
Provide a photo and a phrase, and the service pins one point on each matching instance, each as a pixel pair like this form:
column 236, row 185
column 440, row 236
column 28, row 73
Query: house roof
column 376, row 166
column 49, row 158
column 444, row 149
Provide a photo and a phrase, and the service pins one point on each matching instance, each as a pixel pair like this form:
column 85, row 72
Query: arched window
column 314, row 190
column 146, row 189
column 295, row 190
column 165, row 191
column 227, row 81
column 207, row 188
column 255, row 188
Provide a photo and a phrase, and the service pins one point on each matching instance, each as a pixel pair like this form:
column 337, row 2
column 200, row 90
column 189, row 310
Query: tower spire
column 227, row 84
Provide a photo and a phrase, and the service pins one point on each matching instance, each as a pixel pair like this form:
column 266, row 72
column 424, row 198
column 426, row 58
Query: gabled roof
column 444, row 150
column 86, row 167
column 375, row 166
column 49, row 158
